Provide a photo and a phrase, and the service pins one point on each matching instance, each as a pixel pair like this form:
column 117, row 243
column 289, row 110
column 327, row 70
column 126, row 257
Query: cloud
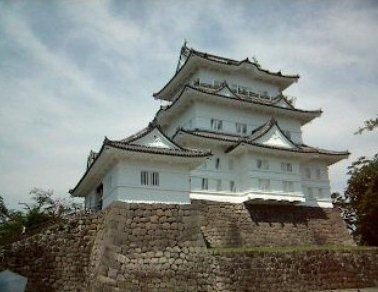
column 73, row 72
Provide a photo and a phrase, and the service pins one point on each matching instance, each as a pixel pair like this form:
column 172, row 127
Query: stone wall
column 159, row 243
column 235, row 225
column 316, row 270
column 133, row 247
column 57, row 258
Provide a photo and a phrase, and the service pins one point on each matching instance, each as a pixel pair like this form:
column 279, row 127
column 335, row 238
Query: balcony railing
column 243, row 91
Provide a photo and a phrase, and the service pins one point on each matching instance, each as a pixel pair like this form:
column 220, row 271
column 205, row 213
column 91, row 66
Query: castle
column 226, row 133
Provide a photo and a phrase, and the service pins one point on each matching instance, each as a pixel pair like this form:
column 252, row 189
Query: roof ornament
column 183, row 56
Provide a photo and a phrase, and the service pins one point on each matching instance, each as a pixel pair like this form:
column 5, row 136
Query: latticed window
column 155, row 178
column 144, row 178
column 217, row 163
column 205, row 184
column 149, row 178
column 216, row 125
column 264, row 184
column 241, row 128
column 218, row 185
column 262, row 164
column 286, row 167
column 288, row 186
column 232, row 186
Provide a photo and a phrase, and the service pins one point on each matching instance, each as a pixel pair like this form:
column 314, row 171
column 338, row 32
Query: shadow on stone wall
column 237, row 225
column 284, row 214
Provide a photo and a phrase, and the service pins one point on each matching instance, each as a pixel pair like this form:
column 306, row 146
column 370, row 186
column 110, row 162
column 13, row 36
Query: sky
column 72, row 72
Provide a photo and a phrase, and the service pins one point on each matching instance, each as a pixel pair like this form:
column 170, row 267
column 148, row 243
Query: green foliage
column 43, row 210
column 360, row 200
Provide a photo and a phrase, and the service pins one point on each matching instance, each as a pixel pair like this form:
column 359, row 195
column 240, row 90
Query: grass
column 290, row 249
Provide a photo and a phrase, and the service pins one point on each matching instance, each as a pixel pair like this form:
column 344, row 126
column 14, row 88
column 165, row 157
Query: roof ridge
column 236, row 62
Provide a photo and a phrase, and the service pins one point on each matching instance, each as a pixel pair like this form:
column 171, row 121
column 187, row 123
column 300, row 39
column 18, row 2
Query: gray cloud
column 73, row 72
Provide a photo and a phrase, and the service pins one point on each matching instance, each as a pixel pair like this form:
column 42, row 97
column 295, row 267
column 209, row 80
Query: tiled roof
column 182, row 152
column 238, row 97
column 251, row 140
column 128, row 144
column 188, row 51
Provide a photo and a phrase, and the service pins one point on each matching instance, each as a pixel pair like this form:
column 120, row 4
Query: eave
column 195, row 61
column 190, row 93
column 113, row 151
column 236, row 145
column 330, row 157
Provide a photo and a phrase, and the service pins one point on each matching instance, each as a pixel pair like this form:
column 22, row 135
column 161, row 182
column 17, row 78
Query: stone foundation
column 236, row 225
column 133, row 247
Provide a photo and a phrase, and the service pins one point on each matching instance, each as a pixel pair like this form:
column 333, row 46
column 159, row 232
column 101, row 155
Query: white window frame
column 262, row 164
column 232, row 186
column 218, row 185
column 217, row 83
column 216, row 125
column 264, row 184
column 144, row 178
column 286, row 167
column 205, row 184
column 241, row 128
column 154, row 178
column 288, row 186
column 217, row 163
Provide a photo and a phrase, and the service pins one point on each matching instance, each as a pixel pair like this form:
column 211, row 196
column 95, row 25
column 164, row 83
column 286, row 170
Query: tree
column 43, row 209
column 360, row 201
column 359, row 204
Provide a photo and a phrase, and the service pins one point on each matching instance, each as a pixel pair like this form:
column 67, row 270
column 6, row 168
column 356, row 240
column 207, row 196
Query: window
column 288, row 186
column 232, row 186
column 144, row 178
column 264, row 184
column 218, row 185
column 318, row 173
column 205, row 184
column 310, row 193
column 242, row 90
column 149, row 178
column 286, row 167
column 217, row 163
column 155, row 178
column 196, row 81
column 230, row 164
column 217, row 84
column 241, row 128
column 262, row 164
column 99, row 194
column 308, row 173
column 216, row 125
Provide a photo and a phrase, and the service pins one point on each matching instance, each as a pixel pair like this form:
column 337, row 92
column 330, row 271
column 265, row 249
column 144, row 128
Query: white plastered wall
column 126, row 183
